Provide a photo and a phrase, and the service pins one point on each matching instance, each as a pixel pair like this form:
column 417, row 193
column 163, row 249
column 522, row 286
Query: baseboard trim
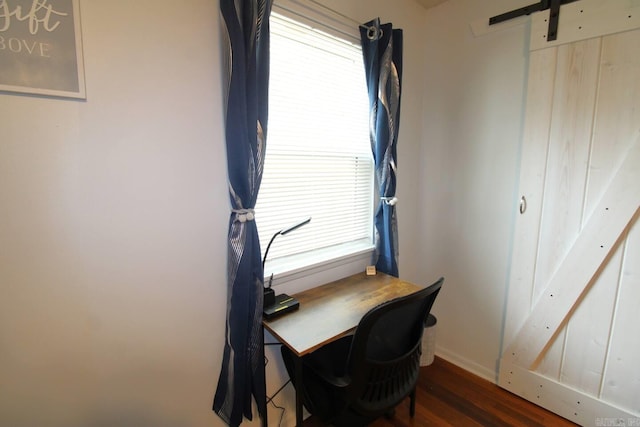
column 467, row 365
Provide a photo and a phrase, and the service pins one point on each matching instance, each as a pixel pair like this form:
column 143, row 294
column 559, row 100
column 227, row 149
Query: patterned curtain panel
column 382, row 51
column 246, row 37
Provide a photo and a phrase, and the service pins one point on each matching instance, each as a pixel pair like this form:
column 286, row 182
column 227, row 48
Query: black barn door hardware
column 554, row 14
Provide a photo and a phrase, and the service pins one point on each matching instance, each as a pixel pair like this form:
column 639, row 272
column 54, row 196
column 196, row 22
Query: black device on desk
column 283, row 304
column 275, row 305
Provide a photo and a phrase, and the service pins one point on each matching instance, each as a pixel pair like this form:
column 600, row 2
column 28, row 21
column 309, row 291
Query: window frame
column 291, row 268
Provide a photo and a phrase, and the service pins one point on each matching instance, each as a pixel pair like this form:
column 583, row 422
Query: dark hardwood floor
column 450, row 396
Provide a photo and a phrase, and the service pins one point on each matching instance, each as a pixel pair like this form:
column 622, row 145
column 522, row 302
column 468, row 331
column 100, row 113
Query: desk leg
column 298, row 388
column 265, row 422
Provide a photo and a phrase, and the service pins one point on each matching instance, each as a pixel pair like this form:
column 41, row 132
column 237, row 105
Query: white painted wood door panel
column 621, row 382
column 572, row 331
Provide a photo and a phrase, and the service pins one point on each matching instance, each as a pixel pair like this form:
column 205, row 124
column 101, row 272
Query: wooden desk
column 331, row 311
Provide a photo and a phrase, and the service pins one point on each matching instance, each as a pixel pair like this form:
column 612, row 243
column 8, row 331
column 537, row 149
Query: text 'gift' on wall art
column 41, row 48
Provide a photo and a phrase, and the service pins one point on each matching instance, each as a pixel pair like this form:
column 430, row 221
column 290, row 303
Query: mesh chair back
column 384, row 360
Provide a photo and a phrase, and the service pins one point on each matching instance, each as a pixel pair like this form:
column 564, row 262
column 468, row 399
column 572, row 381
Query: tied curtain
column 245, row 28
column 382, row 52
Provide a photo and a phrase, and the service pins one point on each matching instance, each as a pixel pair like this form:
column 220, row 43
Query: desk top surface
column 331, row 311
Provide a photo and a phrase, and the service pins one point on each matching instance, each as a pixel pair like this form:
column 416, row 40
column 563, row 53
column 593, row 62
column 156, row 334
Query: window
column 318, row 161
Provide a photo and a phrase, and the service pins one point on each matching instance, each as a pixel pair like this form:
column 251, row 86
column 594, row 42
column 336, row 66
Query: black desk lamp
column 269, row 294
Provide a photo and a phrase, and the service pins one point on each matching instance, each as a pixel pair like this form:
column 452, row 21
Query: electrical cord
column 270, row 398
column 282, row 409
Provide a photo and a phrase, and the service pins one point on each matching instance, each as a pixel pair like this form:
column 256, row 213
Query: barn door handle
column 523, row 205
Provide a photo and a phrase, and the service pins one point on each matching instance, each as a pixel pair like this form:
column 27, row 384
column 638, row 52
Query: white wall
column 113, row 211
column 113, row 216
column 474, row 92
column 113, row 220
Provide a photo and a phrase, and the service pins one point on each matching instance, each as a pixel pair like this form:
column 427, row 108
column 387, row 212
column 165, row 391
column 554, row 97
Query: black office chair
column 361, row 377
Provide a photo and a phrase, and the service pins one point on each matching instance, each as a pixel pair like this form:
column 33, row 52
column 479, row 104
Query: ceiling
column 430, row 3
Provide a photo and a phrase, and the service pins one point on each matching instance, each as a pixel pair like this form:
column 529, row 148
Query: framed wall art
column 41, row 48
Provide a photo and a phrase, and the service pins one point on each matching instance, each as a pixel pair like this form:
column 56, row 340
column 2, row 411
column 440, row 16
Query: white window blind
column 318, row 162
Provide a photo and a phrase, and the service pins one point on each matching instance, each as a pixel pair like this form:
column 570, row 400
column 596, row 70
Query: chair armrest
column 340, row 382
column 329, row 362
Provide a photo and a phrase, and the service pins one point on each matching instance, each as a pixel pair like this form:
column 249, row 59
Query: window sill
column 301, row 266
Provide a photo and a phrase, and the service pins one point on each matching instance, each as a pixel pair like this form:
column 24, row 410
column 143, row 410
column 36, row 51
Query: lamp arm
column 295, row 227
column 283, row 232
column 268, row 246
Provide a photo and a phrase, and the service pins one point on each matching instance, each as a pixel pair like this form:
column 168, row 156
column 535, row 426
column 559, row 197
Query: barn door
column 572, row 330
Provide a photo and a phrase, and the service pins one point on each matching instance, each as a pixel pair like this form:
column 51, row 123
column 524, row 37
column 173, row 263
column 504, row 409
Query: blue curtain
column 382, row 52
column 245, row 28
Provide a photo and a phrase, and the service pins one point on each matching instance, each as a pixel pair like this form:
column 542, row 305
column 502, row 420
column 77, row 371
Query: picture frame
column 41, row 48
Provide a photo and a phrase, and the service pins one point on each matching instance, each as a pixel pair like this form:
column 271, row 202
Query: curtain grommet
column 374, row 33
